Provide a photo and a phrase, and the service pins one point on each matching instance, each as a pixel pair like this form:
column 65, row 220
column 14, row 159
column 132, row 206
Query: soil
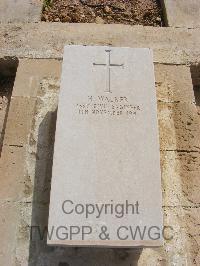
column 132, row 12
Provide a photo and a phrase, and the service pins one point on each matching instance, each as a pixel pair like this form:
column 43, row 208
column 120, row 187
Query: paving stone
column 30, row 74
column 15, row 11
column 174, row 83
column 182, row 13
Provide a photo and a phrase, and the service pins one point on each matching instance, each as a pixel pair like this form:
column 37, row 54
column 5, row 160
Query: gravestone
column 106, row 184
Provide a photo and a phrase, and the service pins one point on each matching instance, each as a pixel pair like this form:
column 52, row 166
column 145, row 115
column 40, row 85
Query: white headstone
column 106, row 183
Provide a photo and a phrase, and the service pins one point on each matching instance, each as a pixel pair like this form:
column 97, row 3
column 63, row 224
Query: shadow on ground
column 8, row 69
column 195, row 74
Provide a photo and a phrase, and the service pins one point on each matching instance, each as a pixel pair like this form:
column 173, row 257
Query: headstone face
column 106, row 184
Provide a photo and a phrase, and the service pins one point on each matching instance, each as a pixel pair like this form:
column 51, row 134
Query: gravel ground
column 133, row 12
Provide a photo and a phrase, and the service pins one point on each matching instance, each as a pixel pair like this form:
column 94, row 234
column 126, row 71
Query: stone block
column 189, row 163
column 179, row 126
column 19, row 121
column 14, row 230
column 30, row 74
column 182, row 13
column 47, row 40
column 192, row 226
column 180, row 178
column 15, row 183
column 174, row 83
column 178, row 243
column 8, row 224
column 16, row 11
column 182, row 226
column 171, row 181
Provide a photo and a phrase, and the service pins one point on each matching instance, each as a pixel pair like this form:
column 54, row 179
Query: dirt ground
column 132, row 12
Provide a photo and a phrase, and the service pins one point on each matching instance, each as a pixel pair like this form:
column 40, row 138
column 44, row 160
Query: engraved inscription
column 108, row 66
column 108, row 106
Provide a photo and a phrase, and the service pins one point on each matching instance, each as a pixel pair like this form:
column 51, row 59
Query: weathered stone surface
column 30, row 74
column 178, row 244
column 174, row 83
column 47, row 40
column 171, row 181
column 189, row 163
column 180, row 178
column 182, row 13
column 14, row 229
column 179, row 126
column 192, row 227
column 8, row 233
column 106, row 136
column 19, row 121
column 15, row 184
column 182, row 226
column 15, row 11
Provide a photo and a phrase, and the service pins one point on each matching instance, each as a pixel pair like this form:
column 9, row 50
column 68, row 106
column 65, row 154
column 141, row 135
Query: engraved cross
column 108, row 66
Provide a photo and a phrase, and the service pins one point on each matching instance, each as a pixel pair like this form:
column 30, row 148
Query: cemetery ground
column 141, row 12
column 31, row 54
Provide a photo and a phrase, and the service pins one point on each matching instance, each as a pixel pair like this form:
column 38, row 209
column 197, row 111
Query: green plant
column 47, row 3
